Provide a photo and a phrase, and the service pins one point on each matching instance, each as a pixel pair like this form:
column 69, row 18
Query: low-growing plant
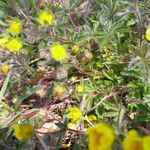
column 74, row 74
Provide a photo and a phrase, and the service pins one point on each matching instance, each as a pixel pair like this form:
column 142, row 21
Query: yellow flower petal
column 92, row 118
column 146, row 142
column 66, row 146
column 14, row 45
column 58, row 52
column 5, row 68
column 74, row 114
column 45, row 18
column 75, row 48
column 101, row 137
column 79, row 88
column 3, row 41
column 133, row 141
column 147, row 37
column 147, row 34
column 23, row 131
column 17, row 131
column 148, row 30
column 15, row 26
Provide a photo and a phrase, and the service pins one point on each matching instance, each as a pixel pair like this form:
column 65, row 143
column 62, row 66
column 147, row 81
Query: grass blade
column 4, row 87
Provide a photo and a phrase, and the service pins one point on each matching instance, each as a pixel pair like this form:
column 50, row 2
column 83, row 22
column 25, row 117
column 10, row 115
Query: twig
column 45, row 147
column 85, row 79
column 82, row 105
column 63, row 129
column 103, row 99
column 24, row 15
column 145, row 131
column 53, row 132
column 35, row 61
column 77, row 131
column 71, row 20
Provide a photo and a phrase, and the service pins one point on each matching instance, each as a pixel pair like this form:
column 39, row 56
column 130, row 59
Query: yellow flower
column 23, row 131
column 79, row 88
column 101, row 137
column 59, row 90
column 5, row 68
column 74, row 114
column 146, row 142
column 58, row 52
column 14, row 45
column 134, row 142
column 3, row 41
column 66, row 146
column 92, row 118
column 147, row 34
column 45, row 18
column 15, row 26
column 71, row 125
column 75, row 48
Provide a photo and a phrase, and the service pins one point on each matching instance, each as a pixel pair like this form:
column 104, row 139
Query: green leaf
column 109, row 106
column 2, row 23
column 25, row 95
column 58, row 142
column 4, row 87
column 107, row 75
column 25, row 4
column 76, row 147
column 120, row 117
column 41, row 45
column 110, row 114
column 60, row 125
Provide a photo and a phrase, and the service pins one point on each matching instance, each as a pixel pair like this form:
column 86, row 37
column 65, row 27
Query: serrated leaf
column 120, row 117
column 107, row 75
column 110, row 114
column 60, row 125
